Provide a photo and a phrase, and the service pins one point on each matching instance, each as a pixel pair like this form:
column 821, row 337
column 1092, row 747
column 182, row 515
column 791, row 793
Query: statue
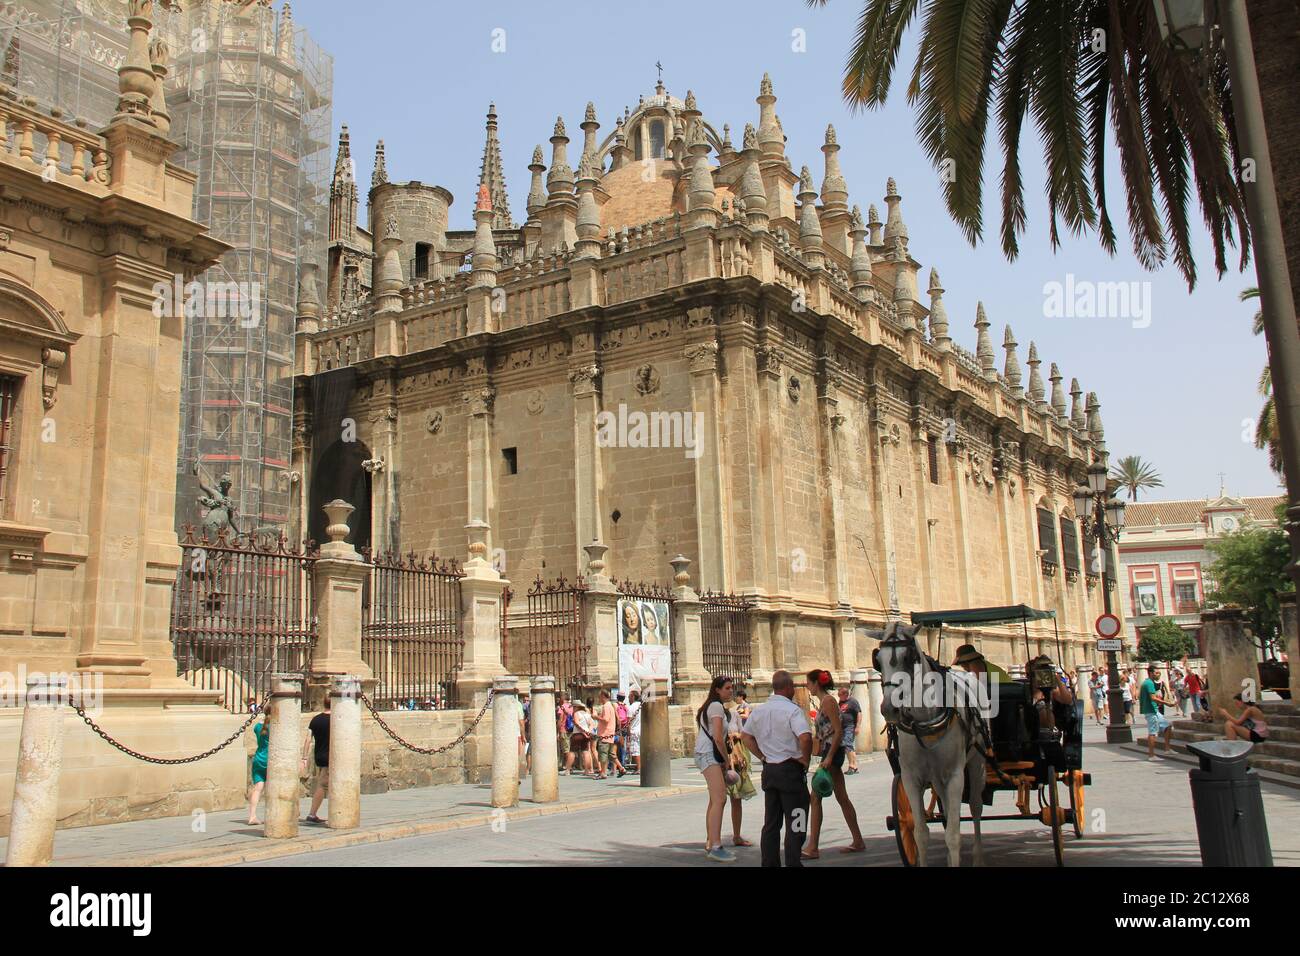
column 219, row 507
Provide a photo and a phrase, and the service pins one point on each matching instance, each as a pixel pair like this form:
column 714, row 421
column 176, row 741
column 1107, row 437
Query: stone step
column 1282, row 741
column 1275, row 770
column 1259, row 759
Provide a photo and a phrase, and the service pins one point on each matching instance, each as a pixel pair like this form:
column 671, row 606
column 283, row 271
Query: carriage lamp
column 1182, row 24
column 1097, row 478
column 1115, row 514
column 1082, row 500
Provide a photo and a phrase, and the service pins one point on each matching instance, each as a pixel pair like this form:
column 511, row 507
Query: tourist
column 634, row 731
column 1195, row 687
column 584, row 733
column 262, row 734
column 525, row 757
column 742, row 707
column 563, row 730
column 1127, row 686
column 620, row 710
column 850, row 719
column 1248, row 725
column 740, row 785
column 973, row 662
column 606, row 738
column 1179, row 681
column 830, row 738
column 593, row 737
column 1149, row 698
column 1098, row 684
column 711, row 722
column 318, row 730
column 777, row 733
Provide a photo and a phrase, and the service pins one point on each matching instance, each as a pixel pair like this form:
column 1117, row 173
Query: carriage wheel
column 903, row 823
column 1054, row 800
column 1076, row 801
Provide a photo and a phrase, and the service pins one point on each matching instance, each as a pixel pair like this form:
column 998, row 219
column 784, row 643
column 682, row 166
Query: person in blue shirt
column 262, row 734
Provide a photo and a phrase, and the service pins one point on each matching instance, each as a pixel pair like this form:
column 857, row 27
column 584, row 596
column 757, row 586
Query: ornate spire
column 588, row 224
column 343, row 194
column 388, row 282
column 1078, row 417
column 491, row 174
column 895, row 228
column 483, row 257
column 702, row 194
column 835, row 192
column 771, row 141
column 752, row 193
column 285, row 35
column 1095, row 430
column 938, row 315
column 380, row 175
column 560, row 179
column 1012, row 371
column 728, row 151
column 810, row 226
column 159, row 59
column 589, row 127
column 983, row 344
column 1058, row 393
column 343, row 162
column 874, row 224
column 1036, row 393
column 860, row 263
column 135, row 77
column 537, row 192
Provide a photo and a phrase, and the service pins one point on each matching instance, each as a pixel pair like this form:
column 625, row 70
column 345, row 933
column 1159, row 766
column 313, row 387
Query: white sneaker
column 720, row 854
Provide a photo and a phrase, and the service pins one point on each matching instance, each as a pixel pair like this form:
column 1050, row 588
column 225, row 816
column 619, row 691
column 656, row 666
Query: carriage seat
column 1015, row 725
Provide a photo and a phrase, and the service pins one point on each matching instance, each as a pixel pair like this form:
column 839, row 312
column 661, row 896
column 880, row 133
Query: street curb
column 393, row 831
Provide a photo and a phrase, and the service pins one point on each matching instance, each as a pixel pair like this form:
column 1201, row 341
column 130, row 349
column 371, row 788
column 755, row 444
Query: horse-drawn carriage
column 1016, row 737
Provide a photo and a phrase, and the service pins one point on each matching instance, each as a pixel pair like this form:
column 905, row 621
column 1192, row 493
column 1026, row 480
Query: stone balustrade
column 49, row 143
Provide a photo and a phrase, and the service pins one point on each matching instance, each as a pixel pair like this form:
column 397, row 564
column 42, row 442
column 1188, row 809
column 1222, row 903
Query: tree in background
column 1079, row 70
column 1266, row 434
column 1163, row 640
column 1248, row 569
column 1133, row 474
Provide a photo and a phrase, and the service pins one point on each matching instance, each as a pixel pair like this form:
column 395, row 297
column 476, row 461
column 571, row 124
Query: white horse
column 938, row 743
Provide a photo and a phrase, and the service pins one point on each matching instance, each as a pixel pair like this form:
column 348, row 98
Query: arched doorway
column 339, row 474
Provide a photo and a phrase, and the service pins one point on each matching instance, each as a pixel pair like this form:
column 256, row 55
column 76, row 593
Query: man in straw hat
column 973, row 662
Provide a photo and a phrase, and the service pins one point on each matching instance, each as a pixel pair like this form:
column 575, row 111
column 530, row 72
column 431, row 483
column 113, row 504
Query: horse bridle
column 905, row 723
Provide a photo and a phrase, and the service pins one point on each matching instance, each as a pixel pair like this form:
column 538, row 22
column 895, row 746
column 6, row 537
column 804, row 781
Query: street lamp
column 1182, row 23
column 1103, row 517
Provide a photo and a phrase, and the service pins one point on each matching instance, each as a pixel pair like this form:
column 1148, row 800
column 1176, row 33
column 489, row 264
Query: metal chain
column 428, row 751
column 173, row 761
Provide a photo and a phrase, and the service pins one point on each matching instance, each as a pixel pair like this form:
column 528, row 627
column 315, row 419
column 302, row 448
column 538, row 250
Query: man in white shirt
column 778, row 733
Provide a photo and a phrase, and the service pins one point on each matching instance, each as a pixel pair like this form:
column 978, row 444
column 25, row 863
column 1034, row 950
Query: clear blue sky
column 420, row 76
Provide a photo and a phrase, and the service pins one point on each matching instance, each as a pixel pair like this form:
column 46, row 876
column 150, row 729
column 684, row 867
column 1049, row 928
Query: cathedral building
column 688, row 346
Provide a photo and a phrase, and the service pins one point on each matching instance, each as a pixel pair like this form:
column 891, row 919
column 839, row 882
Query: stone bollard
column 282, row 757
column 1083, row 688
column 35, row 811
column 876, row 697
column 860, row 690
column 345, row 754
column 656, row 740
column 541, row 734
column 1230, row 666
column 505, row 741
column 1291, row 640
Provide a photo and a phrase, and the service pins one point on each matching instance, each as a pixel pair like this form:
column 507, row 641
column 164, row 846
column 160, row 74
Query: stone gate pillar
column 337, row 584
column 600, row 621
column 692, row 682
column 876, row 696
column 1230, row 656
column 480, row 621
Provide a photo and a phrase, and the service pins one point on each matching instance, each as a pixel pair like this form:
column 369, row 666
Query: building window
column 422, row 250
column 1047, row 540
column 1185, row 598
column 657, row 139
column 8, row 409
column 1069, row 545
column 511, row 456
column 934, row 460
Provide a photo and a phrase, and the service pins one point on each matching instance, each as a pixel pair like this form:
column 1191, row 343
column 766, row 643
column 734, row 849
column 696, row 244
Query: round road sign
column 1107, row 626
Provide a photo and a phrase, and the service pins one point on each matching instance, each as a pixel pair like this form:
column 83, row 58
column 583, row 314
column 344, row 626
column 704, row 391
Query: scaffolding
column 250, row 96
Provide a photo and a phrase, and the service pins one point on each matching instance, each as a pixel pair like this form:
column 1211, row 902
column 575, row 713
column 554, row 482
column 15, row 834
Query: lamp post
column 1104, row 517
column 1187, row 26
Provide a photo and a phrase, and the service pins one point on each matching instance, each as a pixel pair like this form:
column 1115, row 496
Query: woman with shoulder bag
column 710, row 747
column 584, row 732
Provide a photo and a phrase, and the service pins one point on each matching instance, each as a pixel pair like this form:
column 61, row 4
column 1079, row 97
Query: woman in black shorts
column 830, row 741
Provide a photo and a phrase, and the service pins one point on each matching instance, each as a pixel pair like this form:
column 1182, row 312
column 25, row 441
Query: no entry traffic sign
column 1107, row 626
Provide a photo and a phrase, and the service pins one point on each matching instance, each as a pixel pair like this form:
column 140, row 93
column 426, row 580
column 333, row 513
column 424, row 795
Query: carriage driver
column 973, row 662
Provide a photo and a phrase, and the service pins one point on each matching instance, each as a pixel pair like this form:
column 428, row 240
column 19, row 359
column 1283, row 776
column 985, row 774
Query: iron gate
column 557, row 632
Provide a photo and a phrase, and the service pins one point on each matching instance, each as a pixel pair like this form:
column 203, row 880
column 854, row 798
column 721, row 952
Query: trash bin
column 1229, row 809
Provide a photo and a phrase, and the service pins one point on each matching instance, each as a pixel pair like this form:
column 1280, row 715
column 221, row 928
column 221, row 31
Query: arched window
column 637, row 151
column 657, row 139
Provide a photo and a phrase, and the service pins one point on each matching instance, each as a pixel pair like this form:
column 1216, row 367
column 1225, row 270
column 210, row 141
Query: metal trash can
column 1229, row 809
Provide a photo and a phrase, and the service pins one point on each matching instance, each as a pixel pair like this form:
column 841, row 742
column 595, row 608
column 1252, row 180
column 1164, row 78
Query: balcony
column 1188, row 607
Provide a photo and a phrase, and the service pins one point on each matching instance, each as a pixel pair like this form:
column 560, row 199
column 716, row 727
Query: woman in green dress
column 262, row 734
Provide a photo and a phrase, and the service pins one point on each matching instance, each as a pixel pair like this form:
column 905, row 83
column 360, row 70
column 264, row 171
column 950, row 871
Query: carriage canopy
column 974, row 616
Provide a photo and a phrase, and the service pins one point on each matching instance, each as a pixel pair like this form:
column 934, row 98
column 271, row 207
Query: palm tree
column 1266, row 433
column 1133, row 473
column 1078, row 68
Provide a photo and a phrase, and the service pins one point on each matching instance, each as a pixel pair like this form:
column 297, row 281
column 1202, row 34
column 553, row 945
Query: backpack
column 568, row 721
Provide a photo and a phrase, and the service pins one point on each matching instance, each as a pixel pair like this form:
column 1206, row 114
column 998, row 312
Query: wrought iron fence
column 557, row 632
column 725, row 627
column 411, row 633
column 242, row 611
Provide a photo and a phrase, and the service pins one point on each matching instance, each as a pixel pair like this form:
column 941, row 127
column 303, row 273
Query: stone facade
column 845, row 460
column 90, row 362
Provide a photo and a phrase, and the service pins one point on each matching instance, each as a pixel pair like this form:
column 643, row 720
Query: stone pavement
column 1139, row 814
column 223, row 837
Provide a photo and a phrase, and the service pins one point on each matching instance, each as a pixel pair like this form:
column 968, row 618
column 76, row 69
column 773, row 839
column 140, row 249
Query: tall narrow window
column 1047, row 538
column 422, row 260
column 1069, row 544
column 8, row 408
column 511, row 456
column 657, row 139
column 934, row 460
